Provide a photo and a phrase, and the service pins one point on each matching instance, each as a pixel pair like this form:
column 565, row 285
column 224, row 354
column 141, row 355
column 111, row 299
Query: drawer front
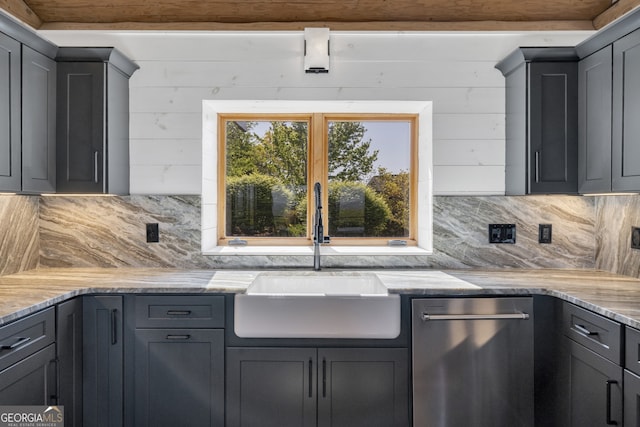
column 632, row 350
column 180, row 311
column 593, row 331
column 26, row 336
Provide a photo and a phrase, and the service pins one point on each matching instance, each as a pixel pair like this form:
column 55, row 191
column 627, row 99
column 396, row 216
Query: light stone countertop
column 614, row 296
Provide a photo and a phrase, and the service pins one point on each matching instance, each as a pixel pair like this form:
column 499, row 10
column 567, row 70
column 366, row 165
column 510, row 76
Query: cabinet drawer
column 26, row 336
column 180, row 311
column 593, row 331
column 632, row 350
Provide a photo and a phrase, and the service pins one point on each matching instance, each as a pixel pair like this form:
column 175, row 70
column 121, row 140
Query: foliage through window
column 365, row 163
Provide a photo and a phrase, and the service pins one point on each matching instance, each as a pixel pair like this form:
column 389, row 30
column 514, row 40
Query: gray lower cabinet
column 102, row 349
column 631, row 399
column 626, row 109
column 632, row 378
column 595, row 388
column 302, row 387
column 594, row 122
column 69, row 354
column 10, row 137
column 28, row 360
column 593, row 368
column 31, row 381
column 179, row 377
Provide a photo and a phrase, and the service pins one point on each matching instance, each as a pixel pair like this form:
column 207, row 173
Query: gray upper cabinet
column 27, row 110
column 594, row 122
column 93, row 120
column 626, row 110
column 38, row 122
column 541, row 121
column 10, row 83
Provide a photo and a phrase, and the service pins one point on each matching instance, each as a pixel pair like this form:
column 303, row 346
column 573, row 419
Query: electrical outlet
column 544, row 233
column 502, row 233
column 153, row 234
column 635, row 237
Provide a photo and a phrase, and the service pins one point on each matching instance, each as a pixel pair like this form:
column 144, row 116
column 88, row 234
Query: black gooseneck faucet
column 318, row 229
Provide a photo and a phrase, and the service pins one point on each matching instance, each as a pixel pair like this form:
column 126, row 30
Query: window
column 268, row 164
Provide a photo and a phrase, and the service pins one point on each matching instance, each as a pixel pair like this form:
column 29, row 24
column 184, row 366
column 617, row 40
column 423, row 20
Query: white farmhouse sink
column 317, row 305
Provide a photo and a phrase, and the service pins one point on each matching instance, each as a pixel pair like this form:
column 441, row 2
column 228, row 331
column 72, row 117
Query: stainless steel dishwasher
column 472, row 362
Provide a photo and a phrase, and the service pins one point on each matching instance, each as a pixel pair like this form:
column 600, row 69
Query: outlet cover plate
column 544, row 233
column 635, row 237
column 502, row 233
column 153, row 234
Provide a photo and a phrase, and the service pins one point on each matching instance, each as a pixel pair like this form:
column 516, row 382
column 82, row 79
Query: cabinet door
column 30, row 381
column 179, row 377
column 69, row 351
column 626, row 110
column 631, row 399
column 594, row 122
column 102, row 361
column 271, row 387
column 595, row 388
column 38, row 122
column 10, row 132
column 363, row 387
column 80, row 151
column 553, row 121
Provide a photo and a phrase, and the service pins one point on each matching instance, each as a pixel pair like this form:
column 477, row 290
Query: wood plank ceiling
column 420, row 15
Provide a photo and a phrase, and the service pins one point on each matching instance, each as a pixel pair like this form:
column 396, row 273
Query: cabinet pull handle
column 178, row 337
column 610, row 422
column 537, row 170
column 520, row 316
column 584, row 331
column 310, row 377
column 52, row 389
column 324, row 377
column 17, row 343
column 95, row 166
column 114, row 326
column 178, row 312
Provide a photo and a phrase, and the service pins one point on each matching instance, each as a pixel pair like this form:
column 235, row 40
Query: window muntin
column 367, row 165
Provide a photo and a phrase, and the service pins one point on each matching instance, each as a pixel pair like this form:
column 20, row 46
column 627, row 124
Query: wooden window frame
column 318, row 171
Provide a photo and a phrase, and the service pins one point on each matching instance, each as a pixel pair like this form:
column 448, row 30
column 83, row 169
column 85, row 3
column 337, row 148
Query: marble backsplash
column 110, row 232
column 19, row 242
column 615, row 216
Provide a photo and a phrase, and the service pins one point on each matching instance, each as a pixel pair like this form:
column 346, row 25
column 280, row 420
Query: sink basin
column 317, row 305
column 318, row 284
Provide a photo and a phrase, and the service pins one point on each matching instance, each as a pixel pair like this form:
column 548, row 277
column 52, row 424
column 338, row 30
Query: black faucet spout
column 318, row 229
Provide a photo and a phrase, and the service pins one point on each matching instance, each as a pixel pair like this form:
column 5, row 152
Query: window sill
column 324, row 250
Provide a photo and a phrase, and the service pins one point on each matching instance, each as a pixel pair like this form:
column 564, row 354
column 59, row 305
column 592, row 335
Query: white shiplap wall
column 180, row 69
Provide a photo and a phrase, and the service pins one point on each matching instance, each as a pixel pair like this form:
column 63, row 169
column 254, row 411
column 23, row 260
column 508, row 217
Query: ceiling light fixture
column 316, row 50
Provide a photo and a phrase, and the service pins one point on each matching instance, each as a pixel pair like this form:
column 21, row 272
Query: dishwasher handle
column 517, row 316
